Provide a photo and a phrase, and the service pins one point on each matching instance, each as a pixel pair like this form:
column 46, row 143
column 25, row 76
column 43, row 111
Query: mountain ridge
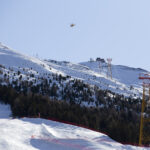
column 124, row 79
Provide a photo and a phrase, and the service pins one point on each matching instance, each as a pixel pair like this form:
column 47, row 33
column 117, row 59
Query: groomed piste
column 41, row 134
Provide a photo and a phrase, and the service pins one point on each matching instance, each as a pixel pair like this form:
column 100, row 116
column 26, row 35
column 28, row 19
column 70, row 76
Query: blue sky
column 117, row 29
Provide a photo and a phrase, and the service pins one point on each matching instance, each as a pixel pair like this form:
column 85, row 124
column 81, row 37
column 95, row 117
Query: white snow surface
column 41, row 134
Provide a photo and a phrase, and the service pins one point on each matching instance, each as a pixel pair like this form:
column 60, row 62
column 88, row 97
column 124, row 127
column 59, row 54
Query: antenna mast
column 109, row 68
column 100, row 63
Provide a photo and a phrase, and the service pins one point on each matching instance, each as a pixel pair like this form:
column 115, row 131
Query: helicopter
column 72, row 25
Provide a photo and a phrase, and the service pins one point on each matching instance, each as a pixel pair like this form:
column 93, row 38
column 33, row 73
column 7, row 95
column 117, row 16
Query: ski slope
column 124, row 79
column 12, row 59
column 41, row 134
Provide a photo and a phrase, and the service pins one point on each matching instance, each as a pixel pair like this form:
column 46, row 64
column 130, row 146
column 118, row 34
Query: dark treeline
column 119, row 122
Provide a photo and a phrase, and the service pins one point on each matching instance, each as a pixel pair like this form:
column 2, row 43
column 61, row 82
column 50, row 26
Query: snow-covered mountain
column 124, row 79
column 60, row 80
column 41, row 134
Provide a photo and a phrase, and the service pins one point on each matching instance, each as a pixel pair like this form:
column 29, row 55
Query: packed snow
column 41, row 134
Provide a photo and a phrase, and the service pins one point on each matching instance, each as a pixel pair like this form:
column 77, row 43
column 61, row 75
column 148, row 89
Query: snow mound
column 40, row 134
column 5, row 111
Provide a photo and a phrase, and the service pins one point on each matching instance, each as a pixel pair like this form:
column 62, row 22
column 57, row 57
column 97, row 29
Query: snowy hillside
column 41, row 134
column 35, row 86
column 15, row 60
column 125, row 79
